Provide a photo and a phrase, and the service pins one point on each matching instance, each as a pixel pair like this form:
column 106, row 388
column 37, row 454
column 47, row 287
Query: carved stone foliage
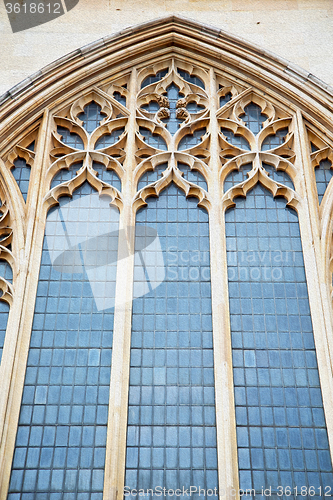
column 172, row 129
column 7, row 262
column 256, row 140
column 88, row 144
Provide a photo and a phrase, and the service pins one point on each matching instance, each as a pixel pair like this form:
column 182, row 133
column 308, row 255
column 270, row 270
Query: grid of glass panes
column 65, row 174
column 191, row 140
column 108, row 176
column 235, row 139
column 253, row 118
column 324, row 174
column 91, row 116
column 21, row 173
column 281, row 429
column 61, row 438
column 154, row 140
column 279, row 175
column 171, row 440
column 151, row 176
column 236, row 176
column 70, row 138
column 193, row 176
column 154, row 78
column 191, row 79
column 4, row 312
column 109, row 139
column 275, row 140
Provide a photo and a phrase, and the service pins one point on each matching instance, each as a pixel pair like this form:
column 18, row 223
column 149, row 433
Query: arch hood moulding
column 83, row 68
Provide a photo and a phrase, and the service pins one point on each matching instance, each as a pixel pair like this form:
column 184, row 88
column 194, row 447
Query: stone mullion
column 314, row 261
column 224, row 389
column 25, row 296
column 121, row 348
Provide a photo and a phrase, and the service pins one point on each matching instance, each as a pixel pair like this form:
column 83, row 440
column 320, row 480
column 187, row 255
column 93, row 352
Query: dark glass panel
column 279, row 410
column 21, row 173
column 171, row 440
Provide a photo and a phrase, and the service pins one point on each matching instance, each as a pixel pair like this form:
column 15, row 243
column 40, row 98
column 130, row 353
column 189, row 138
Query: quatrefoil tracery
column 254, row 132
column 89, row 131
column 7, row 261
column 171, row 101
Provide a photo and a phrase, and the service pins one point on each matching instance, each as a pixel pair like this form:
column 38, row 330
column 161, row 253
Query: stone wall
column 298, row 30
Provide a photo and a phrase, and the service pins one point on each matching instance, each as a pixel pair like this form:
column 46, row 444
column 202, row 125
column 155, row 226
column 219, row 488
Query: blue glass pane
column 61, row 438
column 91, row 117
column 193, row 176
column 119, row 98
column 253, row 117
column 109, row 139
column 237, row 176
column 225, row 98
column 65, row 175
column 281, row 430
column 323, row 176
column 109, row 176
column 31, row 146
column 6, row 271
column 4, row 311
column 171, row 438
column 279, row 176
column 275, row 140
column 236, row 140
column 191, row 79
column 191, row 140
column 21, row 173
column 154, row 140
column 154, row 78
column 70, row 138
column 151, row 176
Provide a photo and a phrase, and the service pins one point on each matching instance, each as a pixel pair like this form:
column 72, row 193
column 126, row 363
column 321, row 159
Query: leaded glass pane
column 154, row 78
column 61, row 438
column 253, row 118
column 191, row 140
column 193, row 176
column 235, row 139
column 106, row 175
column 21, row 173
column 191, row 79
column 281, row 429
column 274, row 140
column 65, row 174
column 108, row 139
column 91, row 116
column 154, row 140
column 151, row 175
column 171, row 439
column 6, row 271
column 279, row 175
column 237, row 176
column 4, row 312
column 70, row 138
column 323, row 176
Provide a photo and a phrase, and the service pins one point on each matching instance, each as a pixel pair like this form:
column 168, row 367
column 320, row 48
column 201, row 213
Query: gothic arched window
column 166, row 269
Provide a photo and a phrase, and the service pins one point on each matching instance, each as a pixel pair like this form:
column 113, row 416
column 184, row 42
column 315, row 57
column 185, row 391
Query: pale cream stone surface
column 298, row 30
